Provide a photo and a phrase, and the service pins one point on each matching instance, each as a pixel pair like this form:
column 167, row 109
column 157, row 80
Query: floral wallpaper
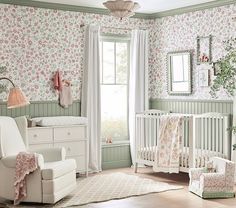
column 35, row 42
column 179, row 32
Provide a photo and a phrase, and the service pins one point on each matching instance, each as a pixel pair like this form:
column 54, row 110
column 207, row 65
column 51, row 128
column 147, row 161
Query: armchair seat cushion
column 56, row 169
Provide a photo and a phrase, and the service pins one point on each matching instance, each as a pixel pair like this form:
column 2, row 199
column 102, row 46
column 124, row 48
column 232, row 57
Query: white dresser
column 73, row 138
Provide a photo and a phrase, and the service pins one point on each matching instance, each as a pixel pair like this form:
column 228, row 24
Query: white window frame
column 119, row 39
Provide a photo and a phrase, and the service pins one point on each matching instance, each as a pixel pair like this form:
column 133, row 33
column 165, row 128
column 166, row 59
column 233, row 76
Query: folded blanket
column 167, row 154
column 25, row 164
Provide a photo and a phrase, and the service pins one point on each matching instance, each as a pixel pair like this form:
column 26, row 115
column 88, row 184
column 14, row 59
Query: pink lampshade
column 16, row 98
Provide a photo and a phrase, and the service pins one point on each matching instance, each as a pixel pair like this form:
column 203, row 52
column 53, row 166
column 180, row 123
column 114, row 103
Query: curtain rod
column 116, row 28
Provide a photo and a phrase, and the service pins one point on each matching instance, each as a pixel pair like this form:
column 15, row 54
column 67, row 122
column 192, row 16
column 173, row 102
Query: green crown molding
column 82, row 9
column 66, row 7
column 193, row 8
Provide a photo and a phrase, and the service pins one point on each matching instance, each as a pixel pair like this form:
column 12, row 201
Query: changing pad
column 60, row 120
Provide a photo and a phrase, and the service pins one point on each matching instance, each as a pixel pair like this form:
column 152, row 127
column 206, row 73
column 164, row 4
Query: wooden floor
column 170, row 199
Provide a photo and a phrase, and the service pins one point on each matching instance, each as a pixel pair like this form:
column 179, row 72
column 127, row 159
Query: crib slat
column 202, row 140
column 209, row 136
column 217, row 136
column 213, row 135
column 226, row 138
column 220, row 137
column 192, row 140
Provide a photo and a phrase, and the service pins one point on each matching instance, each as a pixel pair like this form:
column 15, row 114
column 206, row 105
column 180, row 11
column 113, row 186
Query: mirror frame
column 169, row 76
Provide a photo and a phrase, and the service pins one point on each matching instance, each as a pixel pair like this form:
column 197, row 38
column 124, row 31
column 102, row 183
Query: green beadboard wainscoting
column 116, row 155
column 41, row 108
column 192, row 106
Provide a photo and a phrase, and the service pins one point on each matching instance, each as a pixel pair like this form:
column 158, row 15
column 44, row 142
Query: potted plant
column 226, row 74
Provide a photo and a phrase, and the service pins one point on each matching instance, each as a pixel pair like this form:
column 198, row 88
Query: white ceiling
column 147, row 6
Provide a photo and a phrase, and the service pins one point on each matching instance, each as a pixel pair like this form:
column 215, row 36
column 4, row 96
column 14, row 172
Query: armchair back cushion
column 11, row 142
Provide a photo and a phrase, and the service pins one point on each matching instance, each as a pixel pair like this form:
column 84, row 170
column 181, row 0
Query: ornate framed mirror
column 179, row 76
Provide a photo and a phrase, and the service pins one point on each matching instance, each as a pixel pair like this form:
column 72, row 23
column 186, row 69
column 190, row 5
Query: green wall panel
column 192, row 106
column 116, row 156
column 41, row 108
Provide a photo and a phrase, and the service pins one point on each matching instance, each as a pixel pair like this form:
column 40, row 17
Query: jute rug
column 100, row 188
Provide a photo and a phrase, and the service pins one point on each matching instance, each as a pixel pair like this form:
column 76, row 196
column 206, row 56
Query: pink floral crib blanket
column 25, row 164
column 168, row 150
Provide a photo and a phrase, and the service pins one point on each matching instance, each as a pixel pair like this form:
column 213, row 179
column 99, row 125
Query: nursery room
column 118, row 103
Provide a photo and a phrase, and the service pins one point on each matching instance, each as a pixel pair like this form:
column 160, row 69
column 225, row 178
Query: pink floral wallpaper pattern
column 179, row 32
column 36, row 42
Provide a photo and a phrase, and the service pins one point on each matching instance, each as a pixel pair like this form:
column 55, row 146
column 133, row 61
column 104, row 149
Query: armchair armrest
column 52, row 154
column 212, row 179
column 195, row 173
column 10, row 161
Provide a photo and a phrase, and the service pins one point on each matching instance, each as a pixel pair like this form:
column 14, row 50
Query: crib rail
column 211, row 137
column 203, row 136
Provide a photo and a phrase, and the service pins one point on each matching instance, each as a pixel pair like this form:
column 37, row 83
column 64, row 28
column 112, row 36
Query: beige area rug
column 100, row 188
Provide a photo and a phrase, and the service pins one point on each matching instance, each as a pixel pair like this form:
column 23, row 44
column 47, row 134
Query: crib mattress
column 201, row 156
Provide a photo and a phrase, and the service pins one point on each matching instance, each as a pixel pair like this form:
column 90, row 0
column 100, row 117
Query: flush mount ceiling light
column 121, row 8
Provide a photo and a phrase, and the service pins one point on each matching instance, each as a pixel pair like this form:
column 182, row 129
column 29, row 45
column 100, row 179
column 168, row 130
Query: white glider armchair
column 218, row 184
column 55, row 177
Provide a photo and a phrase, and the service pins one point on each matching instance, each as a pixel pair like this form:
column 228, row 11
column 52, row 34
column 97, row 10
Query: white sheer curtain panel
column 138, row 81
column 90, row 102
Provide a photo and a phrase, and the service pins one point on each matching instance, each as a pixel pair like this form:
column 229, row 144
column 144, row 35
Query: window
column 114, row 88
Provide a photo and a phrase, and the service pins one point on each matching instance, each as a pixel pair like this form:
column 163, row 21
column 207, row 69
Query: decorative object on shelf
column 121, row 8
column 203, row 78
column 204, row 49
column 109, row 140
column 216, row 68
column 16, row 97
column 179, row 72
column 226, row 78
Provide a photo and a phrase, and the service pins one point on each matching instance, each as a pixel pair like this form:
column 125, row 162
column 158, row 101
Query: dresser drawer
column 73, row 148
column 69, row 133
column 80, row 162
column 40, row 135
column 34, row 147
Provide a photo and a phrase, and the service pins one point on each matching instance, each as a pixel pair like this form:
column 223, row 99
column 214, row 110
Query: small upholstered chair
column 55, row 177
column 218, row 184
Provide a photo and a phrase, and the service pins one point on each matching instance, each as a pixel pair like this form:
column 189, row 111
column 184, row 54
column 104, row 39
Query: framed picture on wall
column 204, row 49
column 203, row 78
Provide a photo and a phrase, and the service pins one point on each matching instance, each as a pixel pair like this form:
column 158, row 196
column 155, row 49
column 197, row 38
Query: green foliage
column 226, row 78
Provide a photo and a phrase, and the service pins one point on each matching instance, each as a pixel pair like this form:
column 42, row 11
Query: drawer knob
column 35, row 135
column 68, row 133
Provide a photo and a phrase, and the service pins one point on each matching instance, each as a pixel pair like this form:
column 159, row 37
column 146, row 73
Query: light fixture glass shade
column 121, row 8
column 16, row 98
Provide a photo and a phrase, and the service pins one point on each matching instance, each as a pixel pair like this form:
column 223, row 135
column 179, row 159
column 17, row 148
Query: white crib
column 204, row 136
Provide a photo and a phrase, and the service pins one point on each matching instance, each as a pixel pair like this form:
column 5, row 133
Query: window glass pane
column 114, row 111
column 121, row 63
column 108, row 63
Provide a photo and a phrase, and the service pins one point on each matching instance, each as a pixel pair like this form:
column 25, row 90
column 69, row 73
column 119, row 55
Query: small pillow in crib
column 210, row 167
